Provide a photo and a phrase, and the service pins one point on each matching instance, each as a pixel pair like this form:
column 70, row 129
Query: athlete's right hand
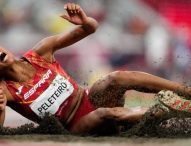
column 3, row 100
column 76, row 14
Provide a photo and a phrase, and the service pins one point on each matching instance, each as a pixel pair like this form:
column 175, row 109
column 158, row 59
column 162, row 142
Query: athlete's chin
column 10, row 60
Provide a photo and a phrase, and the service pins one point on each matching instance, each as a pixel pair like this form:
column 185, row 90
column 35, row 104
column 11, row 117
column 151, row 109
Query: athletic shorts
column 85, row 108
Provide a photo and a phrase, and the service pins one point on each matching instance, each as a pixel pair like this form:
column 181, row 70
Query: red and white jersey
column 51, row 90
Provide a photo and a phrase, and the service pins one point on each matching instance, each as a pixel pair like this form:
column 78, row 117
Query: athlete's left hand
column 76, row 14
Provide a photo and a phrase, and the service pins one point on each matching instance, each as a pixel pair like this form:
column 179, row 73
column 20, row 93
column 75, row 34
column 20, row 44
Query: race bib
column 51, row 99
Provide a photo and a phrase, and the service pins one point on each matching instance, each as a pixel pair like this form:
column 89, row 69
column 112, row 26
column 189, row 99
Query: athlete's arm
column 85, row 26
column 3, row 102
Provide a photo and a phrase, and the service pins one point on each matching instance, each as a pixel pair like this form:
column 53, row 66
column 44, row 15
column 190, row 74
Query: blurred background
column 146, row 35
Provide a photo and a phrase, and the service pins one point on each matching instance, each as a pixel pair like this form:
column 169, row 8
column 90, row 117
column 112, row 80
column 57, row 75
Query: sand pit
column 106, row 141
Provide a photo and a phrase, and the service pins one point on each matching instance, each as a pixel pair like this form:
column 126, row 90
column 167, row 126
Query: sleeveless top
column 50, row 90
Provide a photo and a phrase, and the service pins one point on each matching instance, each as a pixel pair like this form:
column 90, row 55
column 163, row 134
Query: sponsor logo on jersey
column 37, row 85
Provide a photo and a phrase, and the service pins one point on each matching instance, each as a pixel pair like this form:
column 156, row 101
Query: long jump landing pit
column 71, row 140
column 109, row 142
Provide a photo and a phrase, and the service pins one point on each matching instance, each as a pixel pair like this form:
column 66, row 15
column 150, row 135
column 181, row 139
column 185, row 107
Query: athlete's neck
column 19, row 71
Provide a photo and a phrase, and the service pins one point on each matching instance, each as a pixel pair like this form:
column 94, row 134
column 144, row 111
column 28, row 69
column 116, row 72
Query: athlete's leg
column 109, row 90
column 95, row 119
column 149, row 83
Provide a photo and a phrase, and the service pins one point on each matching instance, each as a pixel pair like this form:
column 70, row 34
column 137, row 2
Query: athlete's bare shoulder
column 6, row 91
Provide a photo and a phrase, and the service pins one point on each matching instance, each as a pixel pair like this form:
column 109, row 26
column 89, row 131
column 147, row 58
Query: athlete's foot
column 174, row 103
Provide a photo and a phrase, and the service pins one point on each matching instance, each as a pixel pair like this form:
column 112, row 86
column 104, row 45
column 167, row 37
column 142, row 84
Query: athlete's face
column 6, row 58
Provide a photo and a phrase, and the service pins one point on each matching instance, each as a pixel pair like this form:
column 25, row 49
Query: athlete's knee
column 122, row 77
column 108, row 113
column 115, row 77
column 102, row 113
